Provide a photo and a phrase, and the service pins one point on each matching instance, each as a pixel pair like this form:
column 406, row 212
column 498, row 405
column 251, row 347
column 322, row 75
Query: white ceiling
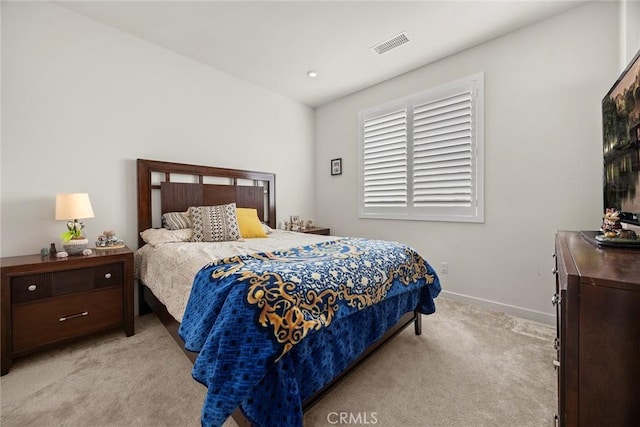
column 274, row 43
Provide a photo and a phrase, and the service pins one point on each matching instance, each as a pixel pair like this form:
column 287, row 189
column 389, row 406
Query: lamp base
column 75, row 246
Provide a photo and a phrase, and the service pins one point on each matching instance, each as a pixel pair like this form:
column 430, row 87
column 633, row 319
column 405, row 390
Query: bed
column 269, row 323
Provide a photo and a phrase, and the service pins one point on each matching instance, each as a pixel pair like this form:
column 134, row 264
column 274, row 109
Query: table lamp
column 72, row 207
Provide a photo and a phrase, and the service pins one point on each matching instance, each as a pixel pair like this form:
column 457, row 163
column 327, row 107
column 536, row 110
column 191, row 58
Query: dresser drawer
column 108, row 275
column 30, row 287
column 46, row 321
column 70, row 281
column 84, row 279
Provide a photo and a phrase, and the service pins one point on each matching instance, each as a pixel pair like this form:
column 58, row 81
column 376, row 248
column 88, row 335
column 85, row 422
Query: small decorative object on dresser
column 47, row 300
column 109, row 240
column 613, row 234
column 295, row 222
column 72, row 207
column 611, row 223
column 336, row 166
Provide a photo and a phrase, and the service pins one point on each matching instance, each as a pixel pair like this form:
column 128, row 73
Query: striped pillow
column 214, row 223
column 176, row 220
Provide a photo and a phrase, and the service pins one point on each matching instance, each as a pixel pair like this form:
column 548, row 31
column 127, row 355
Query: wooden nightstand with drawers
column 46, row 301
column 317, row 230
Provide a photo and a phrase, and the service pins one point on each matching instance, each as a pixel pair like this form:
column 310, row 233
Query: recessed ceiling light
column 312, row 74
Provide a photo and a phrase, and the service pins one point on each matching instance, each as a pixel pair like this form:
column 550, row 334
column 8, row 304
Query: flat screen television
column 621, row 144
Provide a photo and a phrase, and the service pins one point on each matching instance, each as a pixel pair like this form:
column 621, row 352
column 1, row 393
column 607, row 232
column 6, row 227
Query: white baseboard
column 513, row 310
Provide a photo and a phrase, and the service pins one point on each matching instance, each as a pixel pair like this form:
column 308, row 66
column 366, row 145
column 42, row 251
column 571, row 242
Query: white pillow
column 157, row 236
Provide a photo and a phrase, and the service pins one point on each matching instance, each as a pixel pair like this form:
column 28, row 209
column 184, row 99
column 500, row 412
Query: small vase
column 75, row 246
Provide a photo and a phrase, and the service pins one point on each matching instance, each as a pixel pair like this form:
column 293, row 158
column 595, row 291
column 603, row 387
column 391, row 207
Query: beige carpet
column 470, row 367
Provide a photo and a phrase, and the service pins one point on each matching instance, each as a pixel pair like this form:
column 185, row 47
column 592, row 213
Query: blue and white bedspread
column 273, row 328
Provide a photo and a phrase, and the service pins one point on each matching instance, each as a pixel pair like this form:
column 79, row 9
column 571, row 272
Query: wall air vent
column 392, row 43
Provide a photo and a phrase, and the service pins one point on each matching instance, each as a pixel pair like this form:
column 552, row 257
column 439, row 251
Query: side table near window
column 317, row 230
column 46, row 301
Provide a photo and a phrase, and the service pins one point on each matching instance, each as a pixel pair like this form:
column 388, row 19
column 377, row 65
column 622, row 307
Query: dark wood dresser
column 50, row 300
column 597, row 303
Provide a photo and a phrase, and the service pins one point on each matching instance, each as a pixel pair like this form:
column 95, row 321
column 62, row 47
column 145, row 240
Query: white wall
column 81, row 101
column 543, row 158
column 629, row 31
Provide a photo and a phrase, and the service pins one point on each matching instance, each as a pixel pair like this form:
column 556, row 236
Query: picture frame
column 295, row 222
column 336, row 166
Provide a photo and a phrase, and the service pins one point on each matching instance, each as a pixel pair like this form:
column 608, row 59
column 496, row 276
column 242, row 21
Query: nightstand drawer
column 84, row 279
column 30, row 287
column 108, row 275
column 51, row 320
column 70, row 281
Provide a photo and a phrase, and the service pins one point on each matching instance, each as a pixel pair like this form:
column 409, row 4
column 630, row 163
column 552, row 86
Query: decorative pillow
column 176, row 220
column 214, row 223
column 249, row 223
column 156, row 236
column 267, row 229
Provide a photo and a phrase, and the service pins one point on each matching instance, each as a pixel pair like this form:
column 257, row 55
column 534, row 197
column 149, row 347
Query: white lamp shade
column 73, row 206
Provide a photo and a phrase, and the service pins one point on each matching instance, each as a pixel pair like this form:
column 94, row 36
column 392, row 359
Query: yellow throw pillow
column 249, row 223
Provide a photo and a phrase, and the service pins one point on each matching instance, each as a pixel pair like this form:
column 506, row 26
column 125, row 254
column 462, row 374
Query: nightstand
column 317, row 230
column 46, row 301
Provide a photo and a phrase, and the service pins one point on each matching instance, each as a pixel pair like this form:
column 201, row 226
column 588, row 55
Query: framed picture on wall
column 336, row 166
column 295, row 222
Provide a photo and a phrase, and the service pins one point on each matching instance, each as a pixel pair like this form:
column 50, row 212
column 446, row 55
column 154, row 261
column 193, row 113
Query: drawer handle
column 107, row 276
column 32, row 288
column 73, row 316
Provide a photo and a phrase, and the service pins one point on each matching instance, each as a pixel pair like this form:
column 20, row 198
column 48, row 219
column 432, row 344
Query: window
column 421, row 157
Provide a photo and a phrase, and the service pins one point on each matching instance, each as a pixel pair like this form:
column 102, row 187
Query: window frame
column 473, row 213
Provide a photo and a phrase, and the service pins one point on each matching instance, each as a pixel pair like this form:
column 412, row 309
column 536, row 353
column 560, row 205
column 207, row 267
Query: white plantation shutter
column 442, row 152
column 421, row 157
column 385, row 160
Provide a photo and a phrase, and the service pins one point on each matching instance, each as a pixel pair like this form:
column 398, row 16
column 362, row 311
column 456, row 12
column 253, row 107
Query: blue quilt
column 273, row 328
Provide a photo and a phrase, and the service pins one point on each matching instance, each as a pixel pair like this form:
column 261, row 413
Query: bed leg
column 143, row 307
column 418, row 323
column 240, row 419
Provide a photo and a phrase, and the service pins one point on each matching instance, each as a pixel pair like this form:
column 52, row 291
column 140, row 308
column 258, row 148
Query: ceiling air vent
column 392, row 43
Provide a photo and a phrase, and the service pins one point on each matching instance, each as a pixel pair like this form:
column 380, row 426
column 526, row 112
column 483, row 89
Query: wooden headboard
column 173, row 187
